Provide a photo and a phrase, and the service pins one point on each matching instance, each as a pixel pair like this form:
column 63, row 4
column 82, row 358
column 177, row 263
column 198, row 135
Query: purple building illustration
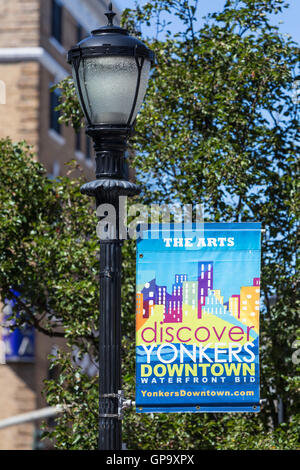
column 154, row 295
column 161, row 295
column 205, row 282
column 173, row 312
column 149, row 296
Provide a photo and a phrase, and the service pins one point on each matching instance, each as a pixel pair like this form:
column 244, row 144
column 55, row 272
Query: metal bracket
column 106, row 273
column 122, row 404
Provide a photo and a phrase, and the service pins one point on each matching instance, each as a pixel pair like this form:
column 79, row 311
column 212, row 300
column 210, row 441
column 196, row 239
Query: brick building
column 34, row 38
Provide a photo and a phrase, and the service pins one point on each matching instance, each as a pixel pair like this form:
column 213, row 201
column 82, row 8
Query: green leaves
column 47, row 246
column 77, row 392
column 69, row 105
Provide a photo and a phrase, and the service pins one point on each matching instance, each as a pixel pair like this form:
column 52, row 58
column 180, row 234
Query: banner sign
column 197, row 318
column 18, row 344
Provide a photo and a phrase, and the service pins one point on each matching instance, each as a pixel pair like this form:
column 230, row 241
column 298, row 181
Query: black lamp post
column 110, row 71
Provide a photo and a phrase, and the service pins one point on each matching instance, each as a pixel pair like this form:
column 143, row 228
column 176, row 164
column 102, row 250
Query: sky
column 287, row 21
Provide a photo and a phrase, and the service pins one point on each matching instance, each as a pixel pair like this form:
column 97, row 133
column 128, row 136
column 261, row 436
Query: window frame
column 56, row 20
column 54, row 124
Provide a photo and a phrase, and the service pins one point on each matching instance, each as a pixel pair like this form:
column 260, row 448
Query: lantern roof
column 110, row 40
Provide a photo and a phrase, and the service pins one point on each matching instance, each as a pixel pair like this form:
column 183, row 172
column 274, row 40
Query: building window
column 56, row 22
column 54, row 114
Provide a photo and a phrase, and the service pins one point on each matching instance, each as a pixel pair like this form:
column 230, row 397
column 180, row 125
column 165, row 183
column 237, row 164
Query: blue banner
column 197, row 318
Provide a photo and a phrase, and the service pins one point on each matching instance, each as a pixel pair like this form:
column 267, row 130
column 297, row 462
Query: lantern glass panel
column 108, row 86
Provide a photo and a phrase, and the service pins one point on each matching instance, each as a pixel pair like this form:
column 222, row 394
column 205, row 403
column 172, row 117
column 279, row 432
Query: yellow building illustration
column 249, row 305
column 234, row 305
column 217, row 294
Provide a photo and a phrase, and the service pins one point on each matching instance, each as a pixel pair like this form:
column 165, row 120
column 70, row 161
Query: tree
column 48, row 249
column 219, row 127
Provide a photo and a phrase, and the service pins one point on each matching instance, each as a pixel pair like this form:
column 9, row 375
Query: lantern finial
column 110, row 14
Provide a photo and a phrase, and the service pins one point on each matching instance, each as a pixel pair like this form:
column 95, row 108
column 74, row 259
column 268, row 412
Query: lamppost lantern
column 110, row 70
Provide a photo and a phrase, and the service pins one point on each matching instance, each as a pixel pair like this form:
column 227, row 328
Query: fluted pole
column 110, row 184
column 110, row 426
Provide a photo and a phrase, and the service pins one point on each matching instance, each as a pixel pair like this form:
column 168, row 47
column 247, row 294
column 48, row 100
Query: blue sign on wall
column 197, row 319
column 19, row 344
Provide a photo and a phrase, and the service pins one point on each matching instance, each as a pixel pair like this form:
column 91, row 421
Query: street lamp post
column 110, row 70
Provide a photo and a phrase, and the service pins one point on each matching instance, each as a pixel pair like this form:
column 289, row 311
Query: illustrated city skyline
column 198, row 294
